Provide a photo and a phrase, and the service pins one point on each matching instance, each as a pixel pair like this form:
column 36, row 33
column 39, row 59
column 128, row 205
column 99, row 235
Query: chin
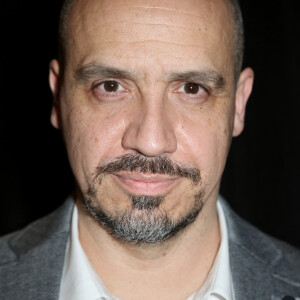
column 144, row 220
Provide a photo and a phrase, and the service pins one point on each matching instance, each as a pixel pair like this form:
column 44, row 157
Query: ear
column 54, row 86
column 243, row 91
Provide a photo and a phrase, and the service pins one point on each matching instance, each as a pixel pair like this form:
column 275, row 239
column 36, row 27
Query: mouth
column 145, row 184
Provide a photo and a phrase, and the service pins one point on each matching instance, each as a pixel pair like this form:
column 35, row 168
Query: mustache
column 153, row 165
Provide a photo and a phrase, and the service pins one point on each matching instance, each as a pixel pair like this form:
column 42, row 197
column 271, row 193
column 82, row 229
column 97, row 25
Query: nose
column 150, row 131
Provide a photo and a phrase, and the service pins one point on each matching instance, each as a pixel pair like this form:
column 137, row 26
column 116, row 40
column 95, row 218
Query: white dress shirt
column 80, row 281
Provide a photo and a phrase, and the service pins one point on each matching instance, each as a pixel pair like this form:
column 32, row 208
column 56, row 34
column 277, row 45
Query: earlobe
column 54, row 86
column 243, row 91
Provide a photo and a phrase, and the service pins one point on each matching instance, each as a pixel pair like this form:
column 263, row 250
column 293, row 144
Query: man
column 148, row 95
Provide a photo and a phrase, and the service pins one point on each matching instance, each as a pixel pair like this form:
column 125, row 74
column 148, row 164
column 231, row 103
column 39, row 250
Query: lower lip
column 146, row 188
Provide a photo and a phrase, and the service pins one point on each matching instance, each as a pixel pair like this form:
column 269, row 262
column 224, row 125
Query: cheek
column 204, row 142
column 91, row 138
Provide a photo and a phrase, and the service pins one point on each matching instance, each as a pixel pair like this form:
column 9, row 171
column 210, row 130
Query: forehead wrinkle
column 153, row 27
column 152, row 23
column 158, row 8
column 153, row 41
column 102, row 12
column 180, row 10
column 104, row 15
column 101, row 17
column 141, row 23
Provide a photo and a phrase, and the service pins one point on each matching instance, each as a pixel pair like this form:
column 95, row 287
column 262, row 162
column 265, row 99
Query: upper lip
column 144, row 177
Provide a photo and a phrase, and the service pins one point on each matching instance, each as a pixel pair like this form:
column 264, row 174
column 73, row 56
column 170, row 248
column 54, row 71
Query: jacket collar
column 260, row 269
column 39, row 253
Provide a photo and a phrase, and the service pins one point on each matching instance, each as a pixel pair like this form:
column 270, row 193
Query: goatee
column 145, row 221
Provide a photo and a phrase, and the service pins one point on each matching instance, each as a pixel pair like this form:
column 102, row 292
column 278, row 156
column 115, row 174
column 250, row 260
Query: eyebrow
column 95, row 70
column 210, row 78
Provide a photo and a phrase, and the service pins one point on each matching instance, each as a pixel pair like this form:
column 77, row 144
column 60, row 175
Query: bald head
column 237, row 38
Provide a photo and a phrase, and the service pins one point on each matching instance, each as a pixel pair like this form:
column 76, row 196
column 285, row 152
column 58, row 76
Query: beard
column 145, row 221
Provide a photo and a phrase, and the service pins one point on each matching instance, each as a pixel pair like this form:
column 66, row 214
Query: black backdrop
column 262, row 174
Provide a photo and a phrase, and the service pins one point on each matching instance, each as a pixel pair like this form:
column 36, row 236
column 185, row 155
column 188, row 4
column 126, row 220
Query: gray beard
column 145, row 222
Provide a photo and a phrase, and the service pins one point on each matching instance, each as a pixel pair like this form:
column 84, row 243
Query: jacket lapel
column 249, row 268
column 258, row 265
column 40, row 252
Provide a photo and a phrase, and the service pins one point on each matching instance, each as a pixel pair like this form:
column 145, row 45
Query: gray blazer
column 31, row 260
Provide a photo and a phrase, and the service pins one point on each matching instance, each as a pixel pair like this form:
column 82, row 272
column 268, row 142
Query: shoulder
column 265, row 248
column 260, row 259
column 33, row 257
column 22, row 241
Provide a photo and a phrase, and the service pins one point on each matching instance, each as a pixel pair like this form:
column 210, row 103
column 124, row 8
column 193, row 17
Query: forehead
column 151, row 32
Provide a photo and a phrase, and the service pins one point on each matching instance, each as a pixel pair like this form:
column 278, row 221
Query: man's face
column 154, row 79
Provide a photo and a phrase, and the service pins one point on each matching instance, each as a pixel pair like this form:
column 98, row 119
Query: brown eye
column 109, row 89
column 110, row 86
column 191, row 88
column 193, row 92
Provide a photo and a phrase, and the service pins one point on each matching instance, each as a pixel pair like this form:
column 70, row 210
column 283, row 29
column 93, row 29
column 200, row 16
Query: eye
column 192, row 90
column 110, row 86
column 109, row 90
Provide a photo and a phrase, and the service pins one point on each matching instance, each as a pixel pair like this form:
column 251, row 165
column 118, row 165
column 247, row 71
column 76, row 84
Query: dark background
column 262, row 176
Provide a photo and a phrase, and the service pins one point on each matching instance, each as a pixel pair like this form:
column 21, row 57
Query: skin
column 150, row 114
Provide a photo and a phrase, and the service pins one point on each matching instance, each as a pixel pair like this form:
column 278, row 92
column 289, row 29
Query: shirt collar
column 80, row 281
column 223, row 281
column 218, row 284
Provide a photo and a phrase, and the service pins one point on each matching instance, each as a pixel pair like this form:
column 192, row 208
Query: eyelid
column 204, row 88
column 98, row 91
column 100, row 82
column 109, row 80
column 200, row 97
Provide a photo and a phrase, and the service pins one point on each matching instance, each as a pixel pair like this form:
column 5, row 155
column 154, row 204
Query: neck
column 170, row 270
